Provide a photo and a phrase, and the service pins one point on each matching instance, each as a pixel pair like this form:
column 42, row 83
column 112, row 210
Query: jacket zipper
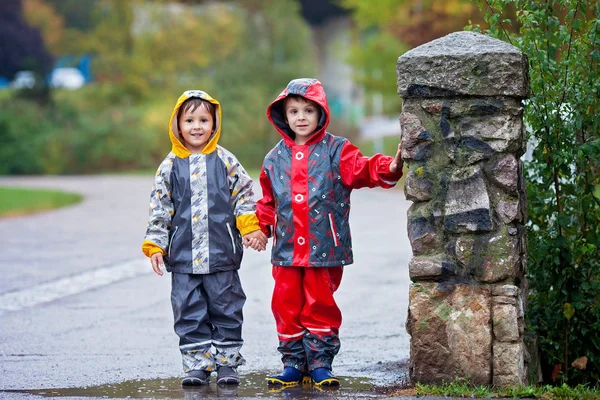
column 231, row 236
column 336, row 243
column 171, row 241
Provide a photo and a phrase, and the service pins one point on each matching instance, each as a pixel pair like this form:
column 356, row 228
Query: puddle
column 253, row 386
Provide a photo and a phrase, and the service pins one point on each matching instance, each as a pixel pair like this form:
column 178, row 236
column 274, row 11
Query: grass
column 463, row 389
column 22, row 201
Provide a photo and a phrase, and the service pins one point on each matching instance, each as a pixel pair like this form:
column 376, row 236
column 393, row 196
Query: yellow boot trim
column 279, row 382
column 328, row 382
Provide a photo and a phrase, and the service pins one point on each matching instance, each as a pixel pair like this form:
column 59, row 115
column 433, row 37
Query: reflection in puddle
column 253, row 385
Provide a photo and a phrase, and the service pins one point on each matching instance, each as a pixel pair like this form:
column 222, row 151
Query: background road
column 80, row 306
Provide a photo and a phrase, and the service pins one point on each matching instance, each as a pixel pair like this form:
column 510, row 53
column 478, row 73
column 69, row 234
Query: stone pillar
column 462, row 137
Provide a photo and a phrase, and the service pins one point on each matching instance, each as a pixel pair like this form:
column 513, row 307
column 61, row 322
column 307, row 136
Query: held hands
column 257, row 240
column 397, row 163
column 158, row 264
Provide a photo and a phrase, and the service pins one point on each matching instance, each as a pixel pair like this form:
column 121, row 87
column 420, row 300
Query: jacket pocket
column 171, row 241
column 334, row 233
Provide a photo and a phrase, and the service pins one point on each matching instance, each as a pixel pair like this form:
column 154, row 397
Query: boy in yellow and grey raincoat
column 202, row 212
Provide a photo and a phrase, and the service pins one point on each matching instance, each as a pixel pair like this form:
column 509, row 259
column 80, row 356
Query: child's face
column 302, row 115
column 195, row 128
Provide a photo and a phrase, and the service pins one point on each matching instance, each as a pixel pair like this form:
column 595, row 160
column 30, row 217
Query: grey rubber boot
column 196, row 378
column 227, row 376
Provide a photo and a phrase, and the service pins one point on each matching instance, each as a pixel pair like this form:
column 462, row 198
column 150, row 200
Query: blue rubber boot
column 289, row 377
column 324, row 377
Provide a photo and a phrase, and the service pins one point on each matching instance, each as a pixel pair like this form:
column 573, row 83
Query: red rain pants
column 303, row 301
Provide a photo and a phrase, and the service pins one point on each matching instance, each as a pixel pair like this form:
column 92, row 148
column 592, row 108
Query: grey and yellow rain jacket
column 200, row 205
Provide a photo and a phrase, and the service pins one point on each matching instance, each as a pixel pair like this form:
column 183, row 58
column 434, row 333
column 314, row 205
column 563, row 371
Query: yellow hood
column 178, row 148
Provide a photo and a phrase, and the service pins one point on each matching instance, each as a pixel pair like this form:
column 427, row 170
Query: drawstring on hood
column 177, row 142
column 310, row 89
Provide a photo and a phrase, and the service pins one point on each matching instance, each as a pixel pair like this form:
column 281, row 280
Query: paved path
column 80, row 306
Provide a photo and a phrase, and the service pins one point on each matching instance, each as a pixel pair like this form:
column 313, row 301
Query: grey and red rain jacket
column 306, row 188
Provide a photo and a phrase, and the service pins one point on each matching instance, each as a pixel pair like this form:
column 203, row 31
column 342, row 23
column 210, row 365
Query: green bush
column 78, row 133
column 562, row 41
column 21, row 141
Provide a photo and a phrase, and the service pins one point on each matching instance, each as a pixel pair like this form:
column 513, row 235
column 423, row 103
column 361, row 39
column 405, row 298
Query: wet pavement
column 83, row 316
column 253, row 386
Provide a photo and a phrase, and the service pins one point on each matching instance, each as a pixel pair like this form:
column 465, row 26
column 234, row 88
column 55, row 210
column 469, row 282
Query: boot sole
column 194, row 381
column 228, row 381
column 331, row 382
column 279, row 382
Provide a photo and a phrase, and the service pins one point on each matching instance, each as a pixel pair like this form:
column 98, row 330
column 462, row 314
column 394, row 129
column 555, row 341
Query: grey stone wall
column 462, row 137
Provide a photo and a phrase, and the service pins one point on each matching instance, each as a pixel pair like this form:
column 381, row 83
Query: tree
column 387, row 28
column 42, row 16
column 562, row 41
column 22, row 45
column 76, row 14
column 413, row 22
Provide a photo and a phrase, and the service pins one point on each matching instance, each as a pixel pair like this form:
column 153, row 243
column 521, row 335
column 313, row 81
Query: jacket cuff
column 247, row 223
column 149, row 248
column 267, row 230
column 384, row 172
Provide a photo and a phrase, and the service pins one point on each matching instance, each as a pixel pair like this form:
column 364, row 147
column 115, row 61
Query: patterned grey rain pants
column 207, row 311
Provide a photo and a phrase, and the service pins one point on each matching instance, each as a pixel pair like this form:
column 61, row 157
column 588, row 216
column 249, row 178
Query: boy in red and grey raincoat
column 306, row 182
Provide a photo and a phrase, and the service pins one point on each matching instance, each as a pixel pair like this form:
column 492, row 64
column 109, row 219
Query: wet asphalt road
column 80, row 307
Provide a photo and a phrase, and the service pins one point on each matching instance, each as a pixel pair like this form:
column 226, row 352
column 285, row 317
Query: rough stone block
column 509, row 211
column 418, row 186
column 489, row 258
column 423, row 231
column 509, row 364
column 463, row 63
column 416, row 140
column 450, row 333
column 505, row 323
column 505, row 300
column 505, row 290
column 505, row 173
column 467, row 207
column 500, row 133
column 434, row 267
column 469, row 332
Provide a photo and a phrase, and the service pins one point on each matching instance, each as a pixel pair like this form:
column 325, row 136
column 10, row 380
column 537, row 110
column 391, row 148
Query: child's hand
column 157, row 263
column 397, row 163
column 257, row 240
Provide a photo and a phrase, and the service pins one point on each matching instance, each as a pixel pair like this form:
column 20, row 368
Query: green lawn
column 462, row 389
column 21, row 201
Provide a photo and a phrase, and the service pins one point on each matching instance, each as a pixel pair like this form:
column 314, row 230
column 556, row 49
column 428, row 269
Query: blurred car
column 23, row 80
column 68, row 78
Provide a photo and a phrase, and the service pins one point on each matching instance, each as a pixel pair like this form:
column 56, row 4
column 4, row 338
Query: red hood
column 310, row 89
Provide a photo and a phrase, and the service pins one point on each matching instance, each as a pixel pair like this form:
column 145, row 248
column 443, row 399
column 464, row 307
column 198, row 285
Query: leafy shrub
column 73, row 136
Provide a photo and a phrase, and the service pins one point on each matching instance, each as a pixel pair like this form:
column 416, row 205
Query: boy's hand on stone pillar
column 397, row 163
